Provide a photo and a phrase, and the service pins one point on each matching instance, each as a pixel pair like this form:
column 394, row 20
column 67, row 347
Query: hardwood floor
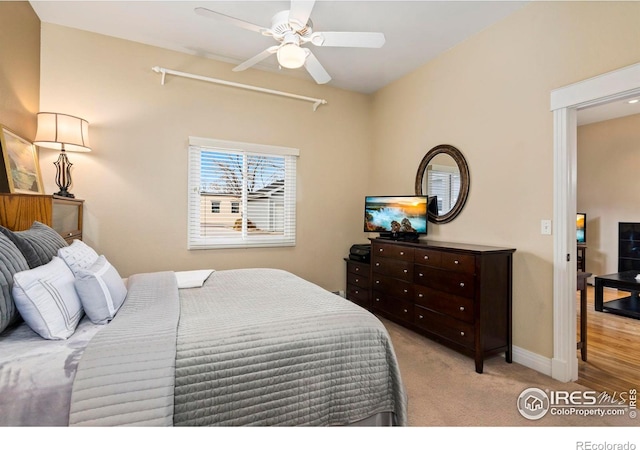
column 613, row 348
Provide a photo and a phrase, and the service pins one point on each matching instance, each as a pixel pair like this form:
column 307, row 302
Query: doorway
column 565, row 102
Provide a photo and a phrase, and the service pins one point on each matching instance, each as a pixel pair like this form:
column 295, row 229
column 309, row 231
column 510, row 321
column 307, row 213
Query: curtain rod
column 316, row 101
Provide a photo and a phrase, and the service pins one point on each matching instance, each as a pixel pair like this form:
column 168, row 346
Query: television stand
column 400, row 236
column 581, row 257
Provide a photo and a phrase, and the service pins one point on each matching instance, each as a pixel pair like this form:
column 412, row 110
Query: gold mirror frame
column 464, row 180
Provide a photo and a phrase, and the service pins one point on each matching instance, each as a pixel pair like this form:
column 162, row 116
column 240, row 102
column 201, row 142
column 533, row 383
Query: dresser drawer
column 452, row 305
column 358, row 280
column 358, row 268
column 358, row 295
column 455, row 330
column 458, row 262
column 396, row 307
column 392, row 251
column 441, row 280
column 394, row 268
column 392, row 286
column 427, row 257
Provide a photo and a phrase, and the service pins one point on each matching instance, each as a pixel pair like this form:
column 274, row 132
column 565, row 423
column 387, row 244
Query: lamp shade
column 291, row 56
column 62, row 132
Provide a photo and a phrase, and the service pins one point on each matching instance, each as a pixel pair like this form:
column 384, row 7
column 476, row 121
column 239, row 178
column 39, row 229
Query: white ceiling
column 612, row 110
column 416, row 31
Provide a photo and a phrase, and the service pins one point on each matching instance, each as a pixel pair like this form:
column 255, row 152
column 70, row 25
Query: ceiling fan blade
column 348, row 39
column 316, row 70
column 232, row 20
column 256, row 59
column 300, row 12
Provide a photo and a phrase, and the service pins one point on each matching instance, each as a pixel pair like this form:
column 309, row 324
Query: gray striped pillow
column 11, row 262
column 39, row 244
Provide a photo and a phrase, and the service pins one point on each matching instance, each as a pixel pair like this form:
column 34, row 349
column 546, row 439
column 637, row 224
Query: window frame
column 195, row 239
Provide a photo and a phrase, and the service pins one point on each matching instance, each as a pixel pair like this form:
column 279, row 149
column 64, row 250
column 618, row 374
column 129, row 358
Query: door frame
column 565, row 103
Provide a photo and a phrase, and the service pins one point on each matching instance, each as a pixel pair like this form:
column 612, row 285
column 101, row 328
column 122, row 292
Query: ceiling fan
column 291, row 29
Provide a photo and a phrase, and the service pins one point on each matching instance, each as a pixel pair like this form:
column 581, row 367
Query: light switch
column 545, row 226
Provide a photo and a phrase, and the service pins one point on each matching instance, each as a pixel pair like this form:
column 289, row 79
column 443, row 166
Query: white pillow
column 47, row 299
column 101, row 290
column 78, row 255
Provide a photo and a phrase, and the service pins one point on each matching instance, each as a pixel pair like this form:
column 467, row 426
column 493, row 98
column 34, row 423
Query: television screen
column 581, row 228
column 396, row 215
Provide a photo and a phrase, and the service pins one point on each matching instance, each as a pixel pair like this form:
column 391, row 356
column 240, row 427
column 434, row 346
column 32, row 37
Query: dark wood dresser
column 456, row 294
column 358, row 283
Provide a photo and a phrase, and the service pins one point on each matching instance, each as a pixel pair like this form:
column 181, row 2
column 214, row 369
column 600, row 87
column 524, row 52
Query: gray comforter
column 251, row 347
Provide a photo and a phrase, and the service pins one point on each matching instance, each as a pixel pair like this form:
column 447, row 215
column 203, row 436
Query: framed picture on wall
column 21, row 169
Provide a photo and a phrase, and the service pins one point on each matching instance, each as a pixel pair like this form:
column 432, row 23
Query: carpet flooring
column 444, row 390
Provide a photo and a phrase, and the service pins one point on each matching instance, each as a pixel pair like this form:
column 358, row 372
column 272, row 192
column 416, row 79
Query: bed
column 249, row 347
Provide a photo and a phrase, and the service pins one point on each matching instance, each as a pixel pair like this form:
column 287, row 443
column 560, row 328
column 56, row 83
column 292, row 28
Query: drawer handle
column 456, row 262
column 377, row 281
column 381, row 249
column 421, row 317
column 426, row 257
column 461, row 284
column 377, row 264
column 405, row 311
column 462, row 333
column 377, row 299
column 70, row 234
column 405, row 291
column 357, row 280
column 356, row 291
column 421, row 274
column 420, row 295
column 401, row 253
column 405, row 271
column 357, row 269
column 462, row 308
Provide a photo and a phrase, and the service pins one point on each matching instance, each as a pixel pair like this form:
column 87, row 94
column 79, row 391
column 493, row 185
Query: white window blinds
column 241, row 195
column 444, row 183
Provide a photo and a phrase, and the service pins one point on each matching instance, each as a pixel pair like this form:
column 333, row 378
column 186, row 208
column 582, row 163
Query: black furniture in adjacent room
column 624, row 281
column 628, row 246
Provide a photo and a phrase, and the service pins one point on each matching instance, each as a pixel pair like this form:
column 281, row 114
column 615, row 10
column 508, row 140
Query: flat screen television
column 396, row 217
column 581, row 228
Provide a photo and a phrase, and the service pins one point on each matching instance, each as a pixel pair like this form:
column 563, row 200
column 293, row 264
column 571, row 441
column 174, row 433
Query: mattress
column 249, row 347
column 36, row 375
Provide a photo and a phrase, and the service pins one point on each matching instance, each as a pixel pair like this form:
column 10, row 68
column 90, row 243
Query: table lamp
column 65, row 133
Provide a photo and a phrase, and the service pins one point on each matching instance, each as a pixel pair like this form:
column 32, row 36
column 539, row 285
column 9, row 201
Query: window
column 241, row 195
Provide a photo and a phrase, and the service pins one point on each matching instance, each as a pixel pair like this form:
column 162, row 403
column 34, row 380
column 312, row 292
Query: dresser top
column 472, row 248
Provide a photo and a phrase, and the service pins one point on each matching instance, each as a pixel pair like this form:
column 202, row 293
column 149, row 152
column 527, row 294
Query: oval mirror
column 443, row 175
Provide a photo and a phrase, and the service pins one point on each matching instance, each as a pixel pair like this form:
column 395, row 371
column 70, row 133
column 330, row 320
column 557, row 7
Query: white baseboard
column 532, row 360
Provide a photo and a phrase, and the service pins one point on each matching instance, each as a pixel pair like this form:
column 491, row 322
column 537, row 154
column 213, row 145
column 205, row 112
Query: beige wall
column 19, row 68
column 134, row 181
column 489, row 97
column 608, row 188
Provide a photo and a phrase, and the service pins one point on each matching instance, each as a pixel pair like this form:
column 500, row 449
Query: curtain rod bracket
column 316, row 101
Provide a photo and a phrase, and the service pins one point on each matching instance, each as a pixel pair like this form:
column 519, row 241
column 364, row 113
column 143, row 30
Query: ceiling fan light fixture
column 291, row 56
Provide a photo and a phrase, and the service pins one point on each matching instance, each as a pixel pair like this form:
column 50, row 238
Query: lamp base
column 65, row 193
column 63, row 175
